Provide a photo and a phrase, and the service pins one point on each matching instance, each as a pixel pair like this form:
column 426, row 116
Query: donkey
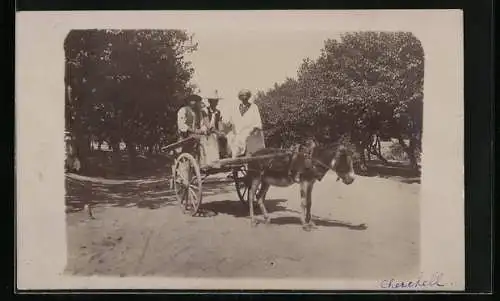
column 275, row 172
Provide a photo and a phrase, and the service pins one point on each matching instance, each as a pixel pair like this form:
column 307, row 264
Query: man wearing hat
column 189, row 121
column 213, row 113
column 247, row 136
column 215, row 126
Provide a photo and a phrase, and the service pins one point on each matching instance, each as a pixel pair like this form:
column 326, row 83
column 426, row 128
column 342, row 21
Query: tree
column 126, row 85
column 367, row 84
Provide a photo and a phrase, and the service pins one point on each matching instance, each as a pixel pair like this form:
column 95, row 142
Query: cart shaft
column 243, row 160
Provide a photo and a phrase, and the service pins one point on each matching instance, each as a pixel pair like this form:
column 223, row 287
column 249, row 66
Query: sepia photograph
column 252, row 152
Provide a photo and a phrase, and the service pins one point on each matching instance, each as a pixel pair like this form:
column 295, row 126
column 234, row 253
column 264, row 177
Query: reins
column 322, row 164
column 316, row 161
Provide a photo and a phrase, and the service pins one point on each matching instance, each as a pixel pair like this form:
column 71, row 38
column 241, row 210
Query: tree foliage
column 365, row 84
column 126, row 85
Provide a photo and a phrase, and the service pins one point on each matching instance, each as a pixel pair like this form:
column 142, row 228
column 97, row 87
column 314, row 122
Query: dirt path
column 367, row 230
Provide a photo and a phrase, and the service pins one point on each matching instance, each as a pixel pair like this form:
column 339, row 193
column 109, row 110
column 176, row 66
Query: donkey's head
column 342, row 165
column 338, row 159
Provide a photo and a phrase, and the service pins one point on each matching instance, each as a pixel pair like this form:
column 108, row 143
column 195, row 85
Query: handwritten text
column 434, row 281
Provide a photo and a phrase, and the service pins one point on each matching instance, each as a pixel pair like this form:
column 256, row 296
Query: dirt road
column 367, row 230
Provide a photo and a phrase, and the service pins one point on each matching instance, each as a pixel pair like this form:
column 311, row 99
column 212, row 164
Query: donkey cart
column 188, row 174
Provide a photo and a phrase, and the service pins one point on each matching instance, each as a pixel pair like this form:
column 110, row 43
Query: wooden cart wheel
column 242, row 184
column 187, row 183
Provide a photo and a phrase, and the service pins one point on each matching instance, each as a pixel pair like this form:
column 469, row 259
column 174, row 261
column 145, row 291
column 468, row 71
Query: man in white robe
column 246, row 136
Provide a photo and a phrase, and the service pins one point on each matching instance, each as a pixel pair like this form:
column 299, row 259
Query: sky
column 229, row 61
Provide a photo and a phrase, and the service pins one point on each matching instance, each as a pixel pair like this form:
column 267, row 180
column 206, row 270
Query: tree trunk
column 378, row 146
column 360, row 149
column 115, row 146
column 132, row 153
column 379, row 156
column 411, row 153
column 131, row 149
column 368, row 154
column 376, row 149
column 410, row 150
column 368, row 148
column 82, row 151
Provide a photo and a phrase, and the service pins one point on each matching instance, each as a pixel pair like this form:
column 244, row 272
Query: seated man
column 190, row 121
column 247, row 136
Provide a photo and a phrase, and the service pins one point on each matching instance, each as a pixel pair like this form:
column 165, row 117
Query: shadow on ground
column 152, row 195
column 295, row 220
column 237, row 208
column 118, row 165
column 80, row 193
column 159, row 194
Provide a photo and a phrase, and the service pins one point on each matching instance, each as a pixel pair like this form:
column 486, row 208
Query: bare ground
column 367, row 230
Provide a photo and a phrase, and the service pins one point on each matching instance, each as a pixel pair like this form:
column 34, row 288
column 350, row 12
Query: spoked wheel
column 242, row 183
column 187, row 183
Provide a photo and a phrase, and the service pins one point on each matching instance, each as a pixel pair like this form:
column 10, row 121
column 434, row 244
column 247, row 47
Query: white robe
column 209, row 143
column 242, row 127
